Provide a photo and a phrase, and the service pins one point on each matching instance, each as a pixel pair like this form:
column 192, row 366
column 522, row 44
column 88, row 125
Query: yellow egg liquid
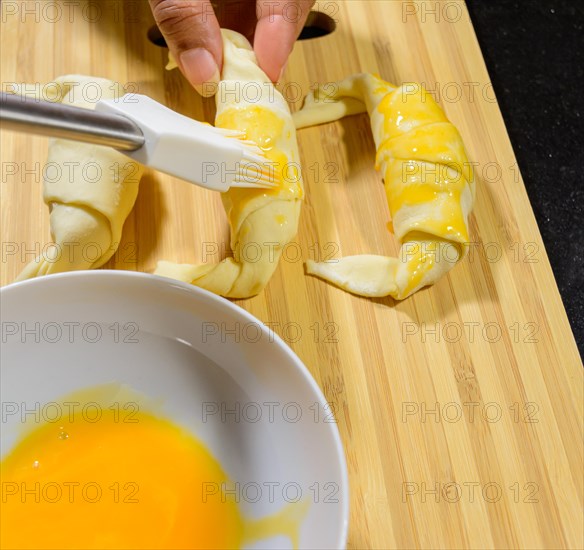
column 418, row 135
column 123, row 481
column 265, row 128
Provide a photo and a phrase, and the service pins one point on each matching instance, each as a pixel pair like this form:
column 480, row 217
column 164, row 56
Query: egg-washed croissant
column 90, row 190
column 262, row 221
column 429, row 184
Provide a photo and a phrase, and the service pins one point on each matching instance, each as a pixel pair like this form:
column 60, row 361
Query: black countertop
column 534, row 55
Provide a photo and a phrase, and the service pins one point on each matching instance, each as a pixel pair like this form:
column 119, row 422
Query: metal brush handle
column 65, row 121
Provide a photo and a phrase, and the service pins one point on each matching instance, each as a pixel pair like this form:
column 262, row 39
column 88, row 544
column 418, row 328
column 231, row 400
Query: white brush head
column 191, row 150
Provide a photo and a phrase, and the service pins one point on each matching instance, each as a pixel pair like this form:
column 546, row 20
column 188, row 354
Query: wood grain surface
column 460, row 408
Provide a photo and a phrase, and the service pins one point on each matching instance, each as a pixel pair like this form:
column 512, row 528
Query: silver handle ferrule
column 65, row 121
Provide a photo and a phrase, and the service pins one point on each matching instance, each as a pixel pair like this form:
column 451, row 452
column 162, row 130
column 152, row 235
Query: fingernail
column 201, row 70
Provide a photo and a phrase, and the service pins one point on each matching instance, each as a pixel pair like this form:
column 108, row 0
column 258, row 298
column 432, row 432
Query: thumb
column 192, row 33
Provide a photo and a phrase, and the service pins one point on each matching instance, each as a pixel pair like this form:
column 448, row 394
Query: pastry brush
column 151, row 134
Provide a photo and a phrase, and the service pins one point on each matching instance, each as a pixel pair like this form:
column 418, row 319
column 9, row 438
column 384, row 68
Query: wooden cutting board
column 460, row 408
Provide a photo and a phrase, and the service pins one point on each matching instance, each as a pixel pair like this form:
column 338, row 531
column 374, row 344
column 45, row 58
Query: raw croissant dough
column 262, row 222
column 89, row 189
column 428, row 181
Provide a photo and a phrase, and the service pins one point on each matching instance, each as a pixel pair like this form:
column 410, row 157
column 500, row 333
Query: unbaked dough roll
column 262, row 221
column 428, row 181
column 90, row 190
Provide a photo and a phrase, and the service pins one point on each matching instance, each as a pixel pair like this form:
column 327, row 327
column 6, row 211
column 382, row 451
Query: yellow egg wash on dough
column 265, row 128
column 126, row 478
column 432, row 139
column 262, row 221
column 429, row 184
column 419, row 264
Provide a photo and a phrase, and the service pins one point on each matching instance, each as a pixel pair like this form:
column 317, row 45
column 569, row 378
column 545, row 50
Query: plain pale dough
column 262, row 222
column 89, row 189
column 428, row 181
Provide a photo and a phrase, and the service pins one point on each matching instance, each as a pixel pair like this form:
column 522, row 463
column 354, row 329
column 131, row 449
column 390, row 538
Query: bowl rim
column 224, row 305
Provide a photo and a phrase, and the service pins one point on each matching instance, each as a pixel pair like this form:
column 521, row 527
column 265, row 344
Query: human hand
column 192, row 33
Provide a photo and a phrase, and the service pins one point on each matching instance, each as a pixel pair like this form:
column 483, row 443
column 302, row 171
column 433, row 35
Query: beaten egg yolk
column 266, row 129
column 132, row 483
column 418, row 136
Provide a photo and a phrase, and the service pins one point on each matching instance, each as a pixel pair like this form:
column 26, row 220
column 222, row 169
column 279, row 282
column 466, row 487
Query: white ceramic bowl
column 201, row 356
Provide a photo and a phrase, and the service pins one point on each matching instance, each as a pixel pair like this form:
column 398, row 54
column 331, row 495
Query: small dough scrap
column 90, row 190
column 429, row 184
column 262, row 221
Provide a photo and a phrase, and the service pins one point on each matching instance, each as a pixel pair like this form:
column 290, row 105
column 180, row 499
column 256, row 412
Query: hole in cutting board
column 155, row 36
column 318, row 24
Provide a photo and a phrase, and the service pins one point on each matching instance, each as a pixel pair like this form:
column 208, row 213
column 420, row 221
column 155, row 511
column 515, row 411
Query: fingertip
column 193, row 35
column 273, row 43
column 201, row 70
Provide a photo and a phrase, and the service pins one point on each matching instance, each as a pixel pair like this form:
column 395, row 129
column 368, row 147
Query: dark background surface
column 534, row 54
